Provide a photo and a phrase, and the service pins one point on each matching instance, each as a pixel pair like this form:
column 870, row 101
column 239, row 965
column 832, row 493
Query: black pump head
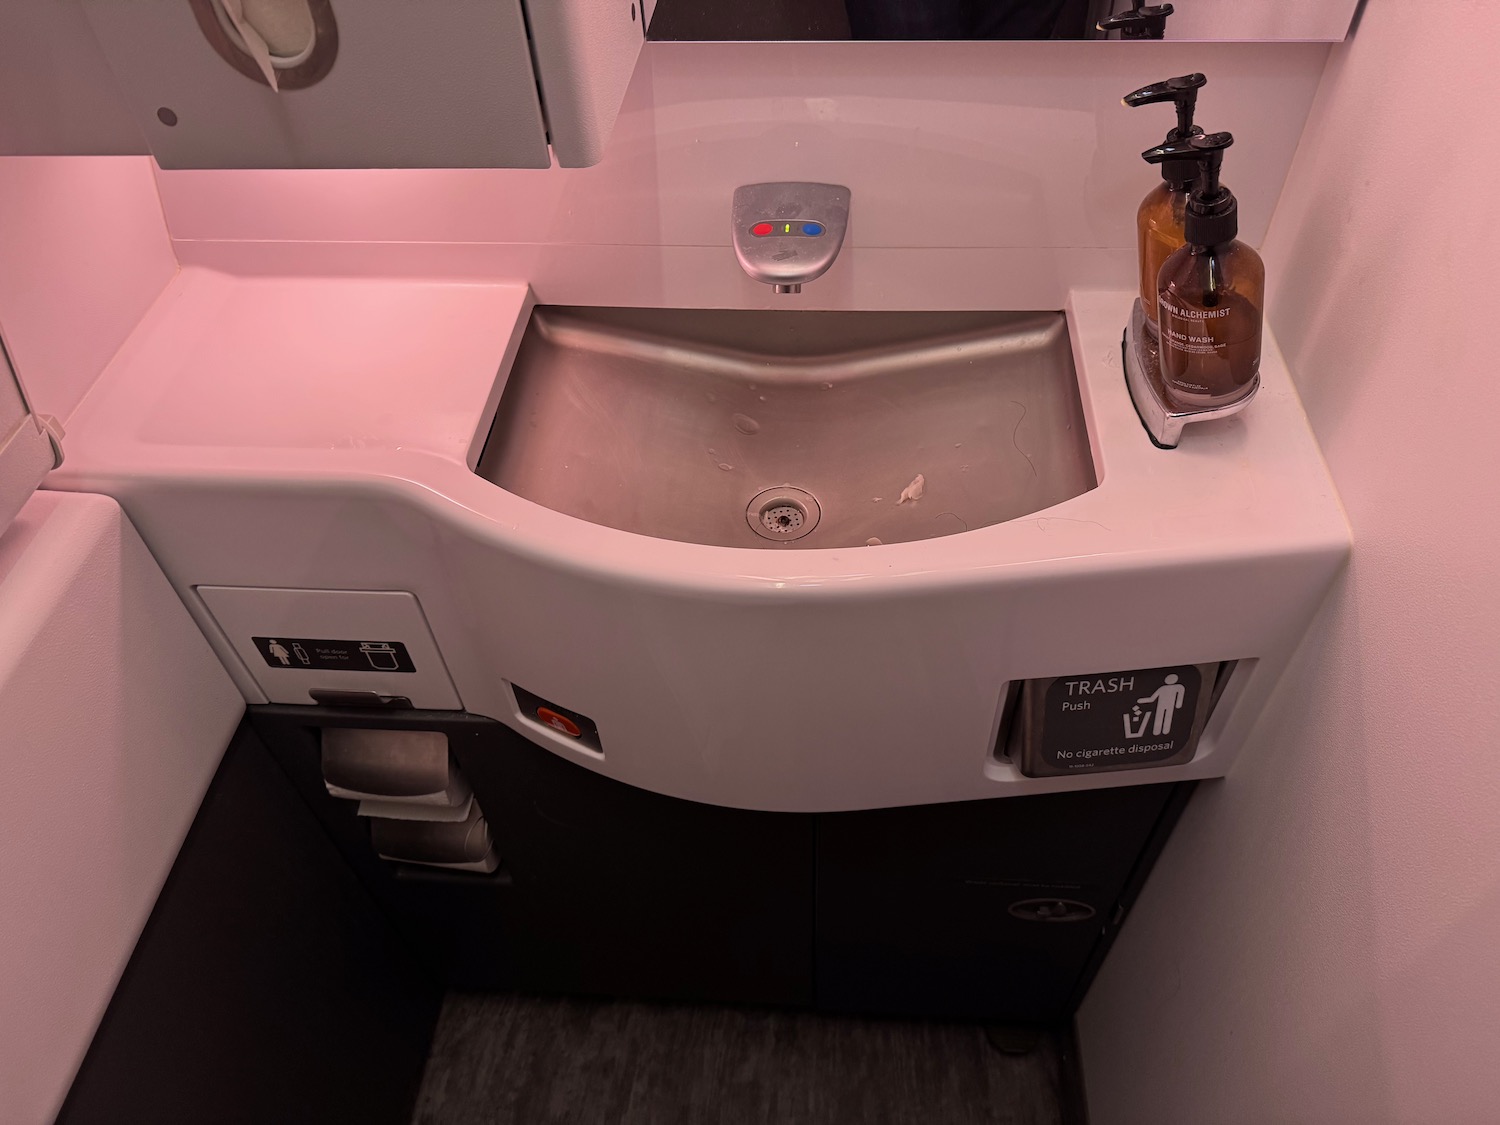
column 1183, row 92
column 1141, row 22
column 1212, row 211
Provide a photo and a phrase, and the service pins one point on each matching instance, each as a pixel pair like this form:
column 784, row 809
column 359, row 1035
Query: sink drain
column 782, row 514
column 782, row 519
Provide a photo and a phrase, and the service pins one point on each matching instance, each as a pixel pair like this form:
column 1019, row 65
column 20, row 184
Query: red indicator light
column 559, row 723
column 760, row 230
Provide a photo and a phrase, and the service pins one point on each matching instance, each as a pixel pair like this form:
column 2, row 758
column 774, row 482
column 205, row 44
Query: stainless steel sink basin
column 748, row 428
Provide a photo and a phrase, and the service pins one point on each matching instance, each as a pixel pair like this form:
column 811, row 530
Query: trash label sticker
column 1125, row 718
column 334, row 656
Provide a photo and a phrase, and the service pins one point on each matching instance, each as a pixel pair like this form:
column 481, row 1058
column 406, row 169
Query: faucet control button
column 809, row 230
column 787, row 234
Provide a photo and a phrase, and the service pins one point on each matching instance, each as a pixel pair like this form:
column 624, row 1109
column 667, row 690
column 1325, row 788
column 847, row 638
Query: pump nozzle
column 1183, row 92
column 1148, row 22
column 1212, row 212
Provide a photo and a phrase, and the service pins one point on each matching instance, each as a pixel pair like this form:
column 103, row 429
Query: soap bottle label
column 1209, row 353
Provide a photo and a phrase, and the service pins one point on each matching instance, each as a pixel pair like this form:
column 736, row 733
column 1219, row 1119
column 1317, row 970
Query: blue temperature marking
column 812, row 229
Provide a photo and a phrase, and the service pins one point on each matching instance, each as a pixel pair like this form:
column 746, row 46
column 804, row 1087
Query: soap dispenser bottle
column 1161, row 217
column 1211, row 291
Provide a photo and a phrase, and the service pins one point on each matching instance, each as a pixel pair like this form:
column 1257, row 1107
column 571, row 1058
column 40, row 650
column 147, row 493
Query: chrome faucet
column 788, row 234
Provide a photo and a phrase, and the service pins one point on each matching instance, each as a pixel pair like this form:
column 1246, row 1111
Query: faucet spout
column 786, row 235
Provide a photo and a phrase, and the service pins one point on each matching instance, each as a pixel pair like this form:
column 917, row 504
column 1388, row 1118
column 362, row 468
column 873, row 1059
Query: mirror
column 832, row 20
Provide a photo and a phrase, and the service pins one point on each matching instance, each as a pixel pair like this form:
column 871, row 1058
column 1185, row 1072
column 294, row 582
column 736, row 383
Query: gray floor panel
column 503, row 1059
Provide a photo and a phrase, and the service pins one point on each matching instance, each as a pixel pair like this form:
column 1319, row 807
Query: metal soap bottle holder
column 1163, row 421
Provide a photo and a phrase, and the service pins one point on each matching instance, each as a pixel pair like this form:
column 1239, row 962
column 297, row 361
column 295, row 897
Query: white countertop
column 392, row 384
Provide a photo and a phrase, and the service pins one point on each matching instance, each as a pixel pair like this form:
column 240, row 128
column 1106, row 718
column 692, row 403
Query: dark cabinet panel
column 267, row 984
column 986, row 909
column 629, row 892
column 289, row 974
column 998, row 909
column 603, row 888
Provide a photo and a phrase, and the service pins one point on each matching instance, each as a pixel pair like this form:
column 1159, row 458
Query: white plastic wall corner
column 585, row 53
column 114, row 714
column 30, row 444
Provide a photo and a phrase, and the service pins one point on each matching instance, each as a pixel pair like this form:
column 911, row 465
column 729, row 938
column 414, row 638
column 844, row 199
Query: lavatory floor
column 502, row 1059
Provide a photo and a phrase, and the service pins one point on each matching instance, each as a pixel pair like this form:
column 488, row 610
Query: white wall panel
column 1011, row 147
column 114, row 713
column 1318, row 942
column 84, row 253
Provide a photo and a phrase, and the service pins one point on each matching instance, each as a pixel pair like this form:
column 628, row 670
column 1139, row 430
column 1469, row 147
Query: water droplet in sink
column 746, row 424
column 725, row 466
column 762, row 398
column 958, row 445
column 872, row 542
column 876, row 499
column 825, row 386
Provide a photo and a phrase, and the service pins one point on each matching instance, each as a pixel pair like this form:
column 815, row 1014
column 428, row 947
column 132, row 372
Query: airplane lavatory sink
column 777, row 429
column 602, row 577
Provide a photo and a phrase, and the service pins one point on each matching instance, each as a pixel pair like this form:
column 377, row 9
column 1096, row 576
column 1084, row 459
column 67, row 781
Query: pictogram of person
column 1167, row 698
column 279, row 651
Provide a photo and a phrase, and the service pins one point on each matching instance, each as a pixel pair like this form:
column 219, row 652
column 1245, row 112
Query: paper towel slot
column 463, row 845
column 411, row 766
column 310, row 58
column 332, row 697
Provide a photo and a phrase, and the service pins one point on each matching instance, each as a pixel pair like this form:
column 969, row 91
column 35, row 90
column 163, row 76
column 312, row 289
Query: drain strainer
column 782, row 514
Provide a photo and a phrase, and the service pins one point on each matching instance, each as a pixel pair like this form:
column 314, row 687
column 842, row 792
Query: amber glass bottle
column 1160, row 231
column 1160, row 219
column 1211, row 301
column 1211, row 292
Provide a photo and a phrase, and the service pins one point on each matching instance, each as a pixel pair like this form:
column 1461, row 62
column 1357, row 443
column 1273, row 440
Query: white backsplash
column 983, row 175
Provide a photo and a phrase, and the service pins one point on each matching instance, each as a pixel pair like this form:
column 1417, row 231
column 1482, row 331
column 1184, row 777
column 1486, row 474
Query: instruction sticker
column 1122, row 719
column 334, row 656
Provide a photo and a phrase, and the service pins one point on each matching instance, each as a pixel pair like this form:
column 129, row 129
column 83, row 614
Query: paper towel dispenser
column 371, row 83
column 287, row 44
column 411, row 793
